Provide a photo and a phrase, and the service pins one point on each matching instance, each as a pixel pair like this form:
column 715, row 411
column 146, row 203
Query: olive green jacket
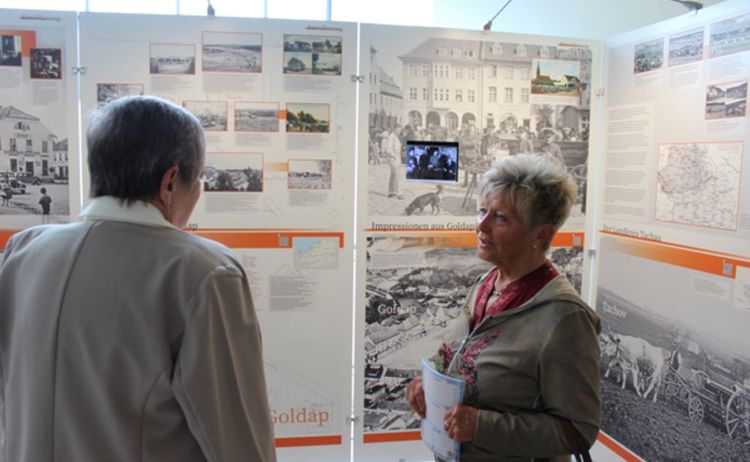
column 527, row 367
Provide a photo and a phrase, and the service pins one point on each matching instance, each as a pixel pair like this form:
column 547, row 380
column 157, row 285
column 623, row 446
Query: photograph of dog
column 420, row 203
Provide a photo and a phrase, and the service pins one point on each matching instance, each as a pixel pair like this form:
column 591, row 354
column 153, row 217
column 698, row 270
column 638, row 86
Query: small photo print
column 46, row 63
column 212, row 114
column 648, row 56
column 308, row 118
column 686, row 48
column 10, row 50
column 232, row 52
column 310, row 174
column 172, row 59
column 233, row 172
column 256, row 117
column 106, row 92
column 556, row 77
column 312, row 54
column 729, row 36
column 724, row 100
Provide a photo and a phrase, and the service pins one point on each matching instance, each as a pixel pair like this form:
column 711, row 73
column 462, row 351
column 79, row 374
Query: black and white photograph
column 310, row 174
column 256, row 116
column 212, row 114
column 233, row 172
column 308, row 118
column 480, row 97
column 10, row 49
column 556, row 77
column 46, row 63
column 312, row 54
column 675, row 361
column 432, row 161
column 232, row 52
column 648, row 56
column 106, row 92
column 686, row 47
column 34, row 164
column 172, row 59
column 724, row 100
column 729, row 36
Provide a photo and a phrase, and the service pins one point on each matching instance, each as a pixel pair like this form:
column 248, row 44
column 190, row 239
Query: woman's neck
column 507, row 275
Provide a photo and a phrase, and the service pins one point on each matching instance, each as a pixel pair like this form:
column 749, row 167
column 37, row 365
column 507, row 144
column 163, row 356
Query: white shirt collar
column 113, row 209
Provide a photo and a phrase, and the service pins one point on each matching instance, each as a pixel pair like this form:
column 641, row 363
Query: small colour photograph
column 556, row 77
column 212, row 114
column 232, row 52
column 10, row 50
column 233, row 172
column 312, row 54
column 106, row 92
column 308, row 118
column 310, row 174
column 648, row 56
column 172, row 59
column 46, row 63
column 256, row 117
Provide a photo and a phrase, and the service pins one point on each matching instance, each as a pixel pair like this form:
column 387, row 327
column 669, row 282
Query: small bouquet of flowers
column 443, row 358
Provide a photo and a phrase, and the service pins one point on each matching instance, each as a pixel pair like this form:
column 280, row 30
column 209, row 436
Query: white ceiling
column 598, row 19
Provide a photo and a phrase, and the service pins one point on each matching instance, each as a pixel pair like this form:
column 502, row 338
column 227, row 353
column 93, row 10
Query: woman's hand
column 415, row 396
column 461, row 423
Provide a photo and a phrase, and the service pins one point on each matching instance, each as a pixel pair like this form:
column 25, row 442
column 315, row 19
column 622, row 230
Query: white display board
column 674, row 241
column 38, row 118
column 276, row 101
column 495, row 95
column 275, row 98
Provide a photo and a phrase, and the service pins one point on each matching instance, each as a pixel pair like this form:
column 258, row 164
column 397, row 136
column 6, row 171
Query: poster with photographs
column 675, row 353
column 302, row 125
column 38, row 120
column 232, row 52
column 312, row 54
column 495, row 95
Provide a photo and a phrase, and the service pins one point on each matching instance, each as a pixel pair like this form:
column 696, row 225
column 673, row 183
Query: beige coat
column 125, row 339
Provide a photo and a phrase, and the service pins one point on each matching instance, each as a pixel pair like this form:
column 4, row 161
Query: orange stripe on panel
column 706, row 262
column 281, row 239
column 282, row 114
column 28, row 40
column 392, row 437
column 617, row 448
column 276, row 166
column 303, row 441
column 5, row 234
column 568, row 239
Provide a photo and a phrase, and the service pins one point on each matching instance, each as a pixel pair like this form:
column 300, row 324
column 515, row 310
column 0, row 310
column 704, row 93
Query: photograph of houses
column 556, row 77
column 725, row 100
column 256, row 117
column 312, row 54
column 686, row 48
column 106, row 92
column 308, row 118
column 233, row 172
column 232, row 52
column 309, row 174
column 212, row 114
column 729, row 36
column 176, row 59
column 648, row 56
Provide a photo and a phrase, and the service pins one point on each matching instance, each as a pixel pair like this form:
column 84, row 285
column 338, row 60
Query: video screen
column 432, row 161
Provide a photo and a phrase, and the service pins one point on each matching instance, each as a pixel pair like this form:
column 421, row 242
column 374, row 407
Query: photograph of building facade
column 28, row 147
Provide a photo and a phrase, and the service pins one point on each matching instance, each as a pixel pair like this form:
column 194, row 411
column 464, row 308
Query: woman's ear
column 544, row 235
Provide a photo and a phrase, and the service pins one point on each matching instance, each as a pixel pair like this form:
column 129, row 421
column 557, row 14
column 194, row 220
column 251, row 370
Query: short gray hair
column 540, row 190
column 133, row 140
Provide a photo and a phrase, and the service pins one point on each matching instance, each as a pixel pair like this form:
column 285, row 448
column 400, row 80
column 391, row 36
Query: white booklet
column 441, row 393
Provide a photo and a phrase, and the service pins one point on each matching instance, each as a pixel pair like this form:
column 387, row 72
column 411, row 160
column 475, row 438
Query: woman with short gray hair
column 530, row 359
column 139, row 341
